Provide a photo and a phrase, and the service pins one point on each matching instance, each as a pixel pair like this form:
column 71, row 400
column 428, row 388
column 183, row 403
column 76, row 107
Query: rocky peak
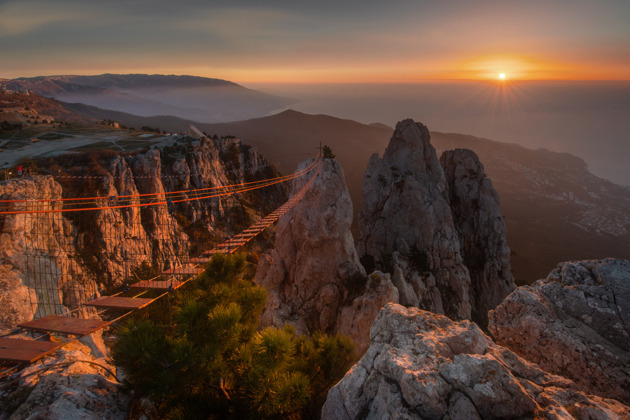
column 481, row 231
column 422, row 365
column 313, row 255
column 313, row 275
column 407, row 227
column 574, row 323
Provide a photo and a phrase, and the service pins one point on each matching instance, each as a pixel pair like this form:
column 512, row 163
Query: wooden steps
column 24, row 350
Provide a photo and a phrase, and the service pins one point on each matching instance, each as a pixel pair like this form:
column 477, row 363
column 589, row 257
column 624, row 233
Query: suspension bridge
column 65, row 298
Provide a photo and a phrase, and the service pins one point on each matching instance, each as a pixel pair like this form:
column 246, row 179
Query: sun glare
column 502, row 76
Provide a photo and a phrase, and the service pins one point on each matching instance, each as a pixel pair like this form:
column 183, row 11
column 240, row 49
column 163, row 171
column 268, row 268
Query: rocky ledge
column 575, row 323
column 423, row 365
column 70, row 385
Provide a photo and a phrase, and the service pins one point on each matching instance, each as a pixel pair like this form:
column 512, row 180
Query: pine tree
column 214, row 362
column 327, row 152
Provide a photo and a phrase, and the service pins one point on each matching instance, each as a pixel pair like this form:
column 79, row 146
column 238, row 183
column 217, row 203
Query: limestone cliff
column 575, row 323
column 424, row 366
column 42, row 245
column 313, row 275
column 407, row 227
column 51, row 262
column 477, row 217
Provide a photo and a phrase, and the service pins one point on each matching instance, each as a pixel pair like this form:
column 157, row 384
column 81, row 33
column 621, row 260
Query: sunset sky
column 318, row 41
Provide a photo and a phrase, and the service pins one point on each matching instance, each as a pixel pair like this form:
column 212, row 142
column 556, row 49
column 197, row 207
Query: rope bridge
column 73, row 245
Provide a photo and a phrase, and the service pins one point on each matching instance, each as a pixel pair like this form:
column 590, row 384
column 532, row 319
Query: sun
column 502, row 76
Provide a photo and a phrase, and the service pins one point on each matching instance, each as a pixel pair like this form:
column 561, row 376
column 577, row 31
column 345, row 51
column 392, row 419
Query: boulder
column 356, row 317
column 575, row 323
column 422, row 365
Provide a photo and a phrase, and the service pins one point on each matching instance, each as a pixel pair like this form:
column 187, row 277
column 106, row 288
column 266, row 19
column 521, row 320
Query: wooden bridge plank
column 65, row 325
column 158, row 284
column 19, row 350
column 116, row 302
column 183, row 271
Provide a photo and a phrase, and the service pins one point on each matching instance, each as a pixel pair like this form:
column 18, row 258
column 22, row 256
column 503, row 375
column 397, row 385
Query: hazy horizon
column 584, row 118
column 325, row 41
column 370, row 42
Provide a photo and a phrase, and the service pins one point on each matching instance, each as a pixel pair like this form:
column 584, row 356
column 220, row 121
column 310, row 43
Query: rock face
column 481, row 231
column 77, row 255
column 313, row 274
column 424, row 366
column 407, row 227
column 69, row 386
column 43, row 244
column 355, row 318
column 575, row 323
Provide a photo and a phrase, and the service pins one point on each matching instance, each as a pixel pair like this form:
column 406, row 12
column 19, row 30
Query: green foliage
column 144, row 271
column 223, row 268
column 419, row 260
column 327, row 152
column 213, row 363
column 386, row 264
column 355, row 284
column 7, row 126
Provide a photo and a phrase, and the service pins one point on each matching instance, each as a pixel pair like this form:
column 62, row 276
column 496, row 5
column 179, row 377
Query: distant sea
column 587, row 119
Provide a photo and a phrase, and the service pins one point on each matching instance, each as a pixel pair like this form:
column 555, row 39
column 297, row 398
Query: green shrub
column 355, row 284
column 213, row 363
column 327, row 152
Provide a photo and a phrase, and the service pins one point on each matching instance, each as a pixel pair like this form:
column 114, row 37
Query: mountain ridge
column 192, row 97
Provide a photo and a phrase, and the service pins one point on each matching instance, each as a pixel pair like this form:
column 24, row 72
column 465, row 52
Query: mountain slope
column 195, row 98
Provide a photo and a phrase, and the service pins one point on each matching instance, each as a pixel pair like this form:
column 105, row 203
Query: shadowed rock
column 575, row 323
column 481, row 231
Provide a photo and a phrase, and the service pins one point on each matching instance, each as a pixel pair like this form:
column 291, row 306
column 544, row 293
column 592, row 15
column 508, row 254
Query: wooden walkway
column 233, row 244
column 18, row 350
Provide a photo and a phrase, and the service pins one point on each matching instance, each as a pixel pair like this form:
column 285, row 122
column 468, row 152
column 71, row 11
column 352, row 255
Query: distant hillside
column 43, row 106
column 188, row 97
